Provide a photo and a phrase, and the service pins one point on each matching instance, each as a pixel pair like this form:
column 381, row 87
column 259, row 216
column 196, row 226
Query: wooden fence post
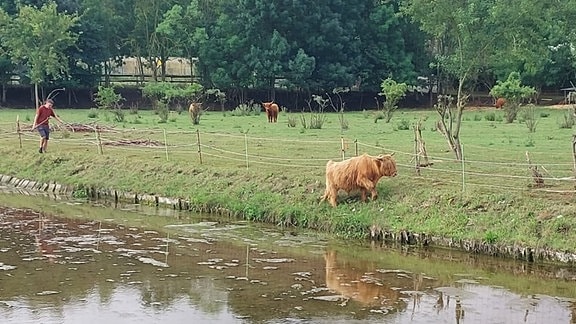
column 246, row 148
column 342, row 148
column 100, row 150
column 574, row 156
column 199, row 145
column 18, row 130
column 166, row 143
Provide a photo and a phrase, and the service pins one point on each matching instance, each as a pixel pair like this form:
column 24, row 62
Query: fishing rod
column 54, row 93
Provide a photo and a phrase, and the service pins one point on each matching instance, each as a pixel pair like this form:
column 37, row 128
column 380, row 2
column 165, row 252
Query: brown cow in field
column 500, row 102
column 271, row 111
column 195, row 110
column 357, row 173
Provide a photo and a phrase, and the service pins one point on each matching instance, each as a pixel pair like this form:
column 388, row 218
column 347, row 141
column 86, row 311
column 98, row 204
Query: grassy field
column 275, row 173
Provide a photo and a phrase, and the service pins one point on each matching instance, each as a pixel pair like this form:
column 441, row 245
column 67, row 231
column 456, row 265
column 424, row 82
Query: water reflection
column 92, row 264
column 351, row 282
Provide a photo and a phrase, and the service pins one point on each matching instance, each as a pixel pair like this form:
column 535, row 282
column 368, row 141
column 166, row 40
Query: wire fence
column 487, row 172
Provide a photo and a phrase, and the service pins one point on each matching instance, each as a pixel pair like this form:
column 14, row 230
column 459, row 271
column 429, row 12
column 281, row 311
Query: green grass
column 275, row 173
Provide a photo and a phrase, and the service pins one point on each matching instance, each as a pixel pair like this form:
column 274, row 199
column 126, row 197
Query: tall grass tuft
column 529, row 118
column 292, row 121
column 567, row 121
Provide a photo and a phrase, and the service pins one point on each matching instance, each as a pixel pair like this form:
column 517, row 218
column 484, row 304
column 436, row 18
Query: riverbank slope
column 481, row 214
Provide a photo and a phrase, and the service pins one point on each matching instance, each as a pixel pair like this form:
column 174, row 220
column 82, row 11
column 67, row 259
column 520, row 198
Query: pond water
column 76, row 262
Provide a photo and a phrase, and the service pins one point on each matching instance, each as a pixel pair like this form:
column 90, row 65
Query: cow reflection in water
column 354, row 284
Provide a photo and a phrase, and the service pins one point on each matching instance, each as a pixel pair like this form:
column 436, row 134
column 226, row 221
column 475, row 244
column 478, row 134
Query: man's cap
column 50, row 101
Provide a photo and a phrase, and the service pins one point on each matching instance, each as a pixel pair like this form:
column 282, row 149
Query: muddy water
column 74, row 262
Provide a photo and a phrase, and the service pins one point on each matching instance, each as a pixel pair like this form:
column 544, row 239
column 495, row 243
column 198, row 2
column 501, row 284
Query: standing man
column 43, row 114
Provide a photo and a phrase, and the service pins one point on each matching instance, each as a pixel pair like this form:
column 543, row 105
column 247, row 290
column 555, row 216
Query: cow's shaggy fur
column 357, row 173
column 500, row 102
column 271, row 111
column 195, row 110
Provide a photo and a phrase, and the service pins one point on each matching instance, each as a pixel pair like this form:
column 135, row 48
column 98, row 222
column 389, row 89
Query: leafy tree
column 102, row 33
column 164, row 94
column 538, row 41
column 393, row 92
column 222, row 57
column 38, row 38
column 391, row 44
column 6, row 65
column 465, row 41
column 146, row 40
column 107, row 99
column 182, row 26
column 6, row 70
column 254, row 42
column 514, row 92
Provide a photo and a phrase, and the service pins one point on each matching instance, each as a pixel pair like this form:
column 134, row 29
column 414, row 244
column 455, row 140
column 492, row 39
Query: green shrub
column 491, row 116
column 162, row 111
column 403, row 125
column 93, row 113
column 379, row 115
column 246, row 110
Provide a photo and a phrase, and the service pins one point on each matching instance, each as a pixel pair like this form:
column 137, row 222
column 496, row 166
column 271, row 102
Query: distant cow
column 195, row 110
column 500, row 102
column 357, row 173
column 271, row 111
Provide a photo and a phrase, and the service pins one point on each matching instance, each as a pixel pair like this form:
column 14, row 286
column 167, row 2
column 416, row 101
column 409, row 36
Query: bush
column 162, row 111
column 491, row 116
column 93, row 113
column 118, row 115
column 246, row 110
column 379, row 115
column 316, row 121
column 107, row 98
column 403, row 125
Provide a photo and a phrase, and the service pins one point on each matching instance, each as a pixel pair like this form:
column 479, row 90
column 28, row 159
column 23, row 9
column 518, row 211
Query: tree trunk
column 36, row 98
column 451, row 131
column 460, row 104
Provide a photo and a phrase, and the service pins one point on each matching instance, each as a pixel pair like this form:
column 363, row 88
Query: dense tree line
column 305, row 46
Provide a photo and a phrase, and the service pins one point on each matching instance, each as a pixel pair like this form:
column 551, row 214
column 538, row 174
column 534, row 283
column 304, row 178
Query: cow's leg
column 374, row 194
column 363, row 194
column 333, row 200
column 366, row 186
column 331, row 194
column 324, row 196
